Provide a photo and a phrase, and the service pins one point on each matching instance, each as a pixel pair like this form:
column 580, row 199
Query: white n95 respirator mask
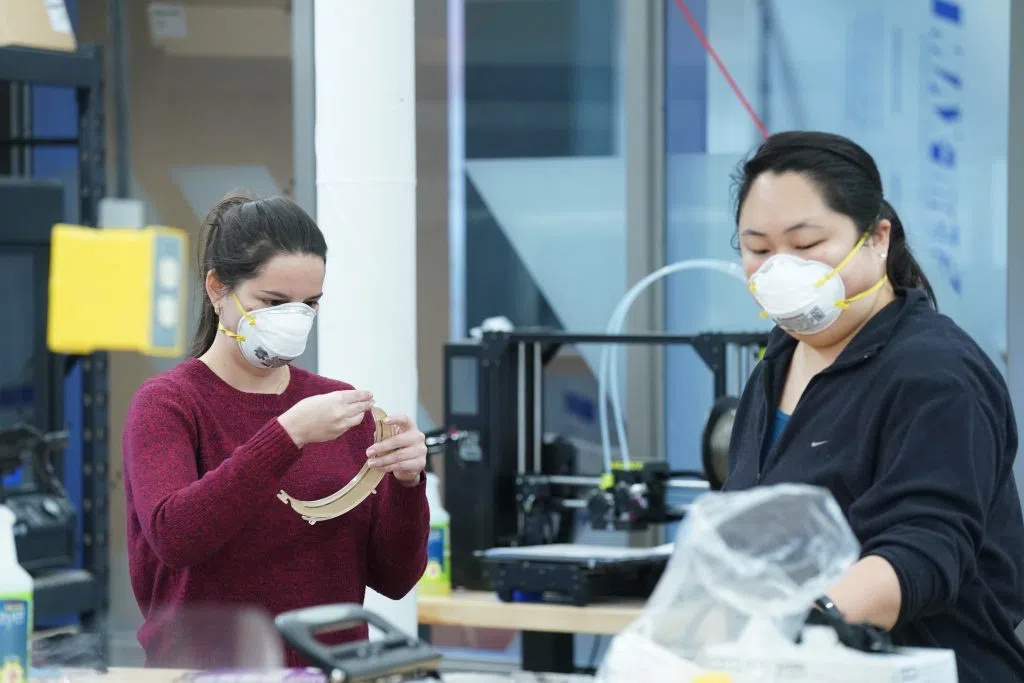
column 798, row 294
column 275, row 336
column 803, row 296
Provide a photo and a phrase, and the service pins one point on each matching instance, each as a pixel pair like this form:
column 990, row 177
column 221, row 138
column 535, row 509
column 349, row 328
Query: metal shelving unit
column 83, row 590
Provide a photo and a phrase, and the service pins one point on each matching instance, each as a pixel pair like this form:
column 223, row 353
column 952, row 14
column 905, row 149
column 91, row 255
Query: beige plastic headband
column 353, row 493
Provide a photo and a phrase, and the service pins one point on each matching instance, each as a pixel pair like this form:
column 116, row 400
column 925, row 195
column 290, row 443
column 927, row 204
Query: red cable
column 706, row 44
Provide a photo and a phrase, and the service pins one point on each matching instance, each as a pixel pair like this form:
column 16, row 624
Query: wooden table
column 547, row 629
column 484, row 610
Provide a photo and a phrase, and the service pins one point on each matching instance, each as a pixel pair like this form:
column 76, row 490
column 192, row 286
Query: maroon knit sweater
column 203, row 464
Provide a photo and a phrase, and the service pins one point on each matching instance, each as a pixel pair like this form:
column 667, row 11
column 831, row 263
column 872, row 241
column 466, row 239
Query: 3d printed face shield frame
column 353, row 493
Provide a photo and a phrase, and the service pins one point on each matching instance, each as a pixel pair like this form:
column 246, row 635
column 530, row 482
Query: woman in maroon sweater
column 209, row 444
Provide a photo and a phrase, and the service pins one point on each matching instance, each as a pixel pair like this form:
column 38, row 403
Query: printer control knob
column 52, row 507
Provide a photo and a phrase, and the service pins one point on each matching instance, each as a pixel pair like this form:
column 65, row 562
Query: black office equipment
column 31, row 380
column 505, row 481
column 392, row 657
column 573, row 574
column 45, row 519
column 74, row 394
column 30, row 376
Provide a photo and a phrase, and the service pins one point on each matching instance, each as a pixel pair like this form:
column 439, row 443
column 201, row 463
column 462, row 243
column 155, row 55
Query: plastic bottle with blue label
column 437, row 578
column 15, row 606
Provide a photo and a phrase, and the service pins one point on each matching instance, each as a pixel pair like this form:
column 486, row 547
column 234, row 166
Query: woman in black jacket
column 866, row 390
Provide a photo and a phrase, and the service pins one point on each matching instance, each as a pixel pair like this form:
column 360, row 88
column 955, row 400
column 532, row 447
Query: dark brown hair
column 239, row 236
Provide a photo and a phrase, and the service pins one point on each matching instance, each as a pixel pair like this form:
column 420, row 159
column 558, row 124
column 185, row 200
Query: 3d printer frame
column 497, row 479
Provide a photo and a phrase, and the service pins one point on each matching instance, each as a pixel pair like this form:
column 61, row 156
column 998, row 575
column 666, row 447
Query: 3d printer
column 513, row 486
column 32, row 401
column 45, row 529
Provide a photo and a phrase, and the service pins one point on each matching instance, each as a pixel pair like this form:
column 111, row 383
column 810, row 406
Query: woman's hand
column 403, row 455
column 325, row 417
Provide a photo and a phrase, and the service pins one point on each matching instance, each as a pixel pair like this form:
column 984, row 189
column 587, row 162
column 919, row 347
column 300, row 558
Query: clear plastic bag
column 764, row 554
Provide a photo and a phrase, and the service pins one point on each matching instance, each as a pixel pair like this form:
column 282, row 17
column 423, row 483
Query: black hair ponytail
column 902, row 268
column 210, row 235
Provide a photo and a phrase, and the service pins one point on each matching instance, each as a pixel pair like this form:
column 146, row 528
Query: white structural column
column 366, row 206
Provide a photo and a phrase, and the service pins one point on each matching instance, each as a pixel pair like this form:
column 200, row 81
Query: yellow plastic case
column 117, row 289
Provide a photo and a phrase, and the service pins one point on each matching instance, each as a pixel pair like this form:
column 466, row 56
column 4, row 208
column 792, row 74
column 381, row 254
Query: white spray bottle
column 15, row 606
column 437, row 579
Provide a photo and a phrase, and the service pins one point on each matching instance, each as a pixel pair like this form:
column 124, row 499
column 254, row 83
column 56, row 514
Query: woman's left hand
column 404, row 455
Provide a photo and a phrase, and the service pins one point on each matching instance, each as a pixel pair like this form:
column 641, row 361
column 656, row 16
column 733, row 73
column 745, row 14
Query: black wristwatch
column 825, row 605
column 863, row 636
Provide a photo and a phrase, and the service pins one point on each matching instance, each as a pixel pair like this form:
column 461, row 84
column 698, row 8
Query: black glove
column 863, row 636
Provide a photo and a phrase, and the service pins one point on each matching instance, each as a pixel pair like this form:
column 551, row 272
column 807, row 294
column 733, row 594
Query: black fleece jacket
column 912, row 431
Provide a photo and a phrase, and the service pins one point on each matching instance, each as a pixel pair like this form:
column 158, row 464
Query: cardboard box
column 42, row 24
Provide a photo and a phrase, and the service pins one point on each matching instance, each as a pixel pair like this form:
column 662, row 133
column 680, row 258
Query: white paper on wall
column 167, row 21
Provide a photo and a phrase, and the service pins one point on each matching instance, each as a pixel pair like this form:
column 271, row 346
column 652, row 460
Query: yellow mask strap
column 245, row 314
column 753, row 288
column 845, row 303
column 846, row 259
